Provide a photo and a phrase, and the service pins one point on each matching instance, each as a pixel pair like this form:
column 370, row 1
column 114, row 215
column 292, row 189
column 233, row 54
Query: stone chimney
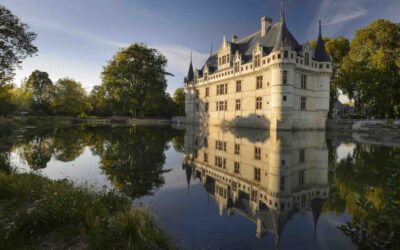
column 266, row 23
column 234, row 38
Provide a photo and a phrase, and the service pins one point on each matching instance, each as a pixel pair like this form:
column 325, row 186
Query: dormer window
column 237, row 66
column 257, row 61
column 285, row 54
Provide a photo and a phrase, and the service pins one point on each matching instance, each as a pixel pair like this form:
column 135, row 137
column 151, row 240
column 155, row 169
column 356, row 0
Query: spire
column 282, row 11
column 316, row 208
column 190, row 76
column 211, row 50
column 320, row 28
column 320, row 52
column 188, row 170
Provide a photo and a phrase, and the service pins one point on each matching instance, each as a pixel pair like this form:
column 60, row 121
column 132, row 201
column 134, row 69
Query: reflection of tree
column 134, row 159
column 37, row 153
column 178, row 141
column 69, row 143
column 366, row 186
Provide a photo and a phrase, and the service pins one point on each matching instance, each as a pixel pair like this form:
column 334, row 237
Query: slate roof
column 277, row 35
column 320, row 52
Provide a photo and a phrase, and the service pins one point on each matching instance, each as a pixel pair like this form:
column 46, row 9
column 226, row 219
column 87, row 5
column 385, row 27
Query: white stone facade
column 282, row 86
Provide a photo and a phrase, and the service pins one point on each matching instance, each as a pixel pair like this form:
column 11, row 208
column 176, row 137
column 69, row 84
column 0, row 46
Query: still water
column 216, row 188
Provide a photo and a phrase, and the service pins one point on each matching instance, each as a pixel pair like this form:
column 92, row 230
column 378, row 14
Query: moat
column 217, row 188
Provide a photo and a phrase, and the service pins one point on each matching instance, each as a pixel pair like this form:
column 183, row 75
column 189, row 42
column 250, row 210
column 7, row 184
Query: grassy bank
column 38, row 213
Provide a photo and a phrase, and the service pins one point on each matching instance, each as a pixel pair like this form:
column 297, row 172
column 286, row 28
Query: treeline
column 133, row 82
column 367, row 69
column 38, row 95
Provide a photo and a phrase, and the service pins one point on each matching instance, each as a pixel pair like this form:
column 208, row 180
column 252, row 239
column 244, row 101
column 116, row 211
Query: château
column 265, row 80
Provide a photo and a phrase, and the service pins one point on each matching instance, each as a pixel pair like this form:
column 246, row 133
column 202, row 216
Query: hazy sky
column 76, row 38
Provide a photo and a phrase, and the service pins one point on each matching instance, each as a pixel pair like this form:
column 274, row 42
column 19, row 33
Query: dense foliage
column 16, row 43
column 69, row 98
column 41, row 87
column 40, row 213
column 134, row 82
column 370, row 72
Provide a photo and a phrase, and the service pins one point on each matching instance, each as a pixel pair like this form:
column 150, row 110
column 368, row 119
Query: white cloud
column 335, row 14
column 89, row 73
column 346, row 16
column 179, row 58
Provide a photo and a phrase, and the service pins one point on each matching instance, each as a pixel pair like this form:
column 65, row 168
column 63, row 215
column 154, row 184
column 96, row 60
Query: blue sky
column 76, row 38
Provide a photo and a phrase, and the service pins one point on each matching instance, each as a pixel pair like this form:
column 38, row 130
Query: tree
column 135, row 79
column 179, row 99
column 15, row 44
column 337, row 48
column 22, row 99
column 7, row 104
column 41, row 88
column 69, row 98
column 99, row 101
column 370, row 72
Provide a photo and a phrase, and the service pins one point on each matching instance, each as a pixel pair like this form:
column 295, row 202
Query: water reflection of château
column 266, row 176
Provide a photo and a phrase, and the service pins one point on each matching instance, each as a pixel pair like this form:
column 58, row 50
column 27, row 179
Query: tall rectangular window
column 259, row 82
column 207, row 91
column 307, row 59
column 205, row 157
column 303, row 81
column 236, row 167
column 222, row 89
column 259, row 103
column 205, row 142
column 206, row 106
column 257, row 174
column 302, row 157
column 238, row 104
column 239, row 86
column 257, row 153
column 254, row 195
column 301, row 177
column 237, row 149
column 303, row 103
column 285, row 54
column 284, row 77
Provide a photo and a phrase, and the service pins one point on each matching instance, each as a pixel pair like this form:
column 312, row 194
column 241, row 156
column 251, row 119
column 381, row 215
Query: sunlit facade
column 265, row 80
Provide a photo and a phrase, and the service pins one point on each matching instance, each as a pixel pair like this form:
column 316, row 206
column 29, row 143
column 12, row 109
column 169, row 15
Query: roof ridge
column 247, row 37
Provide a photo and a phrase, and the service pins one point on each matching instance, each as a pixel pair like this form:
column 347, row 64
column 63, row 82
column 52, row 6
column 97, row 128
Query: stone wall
column 372, row 127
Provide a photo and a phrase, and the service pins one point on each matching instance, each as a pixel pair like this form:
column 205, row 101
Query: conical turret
column 320, row 52
column 190, row 75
